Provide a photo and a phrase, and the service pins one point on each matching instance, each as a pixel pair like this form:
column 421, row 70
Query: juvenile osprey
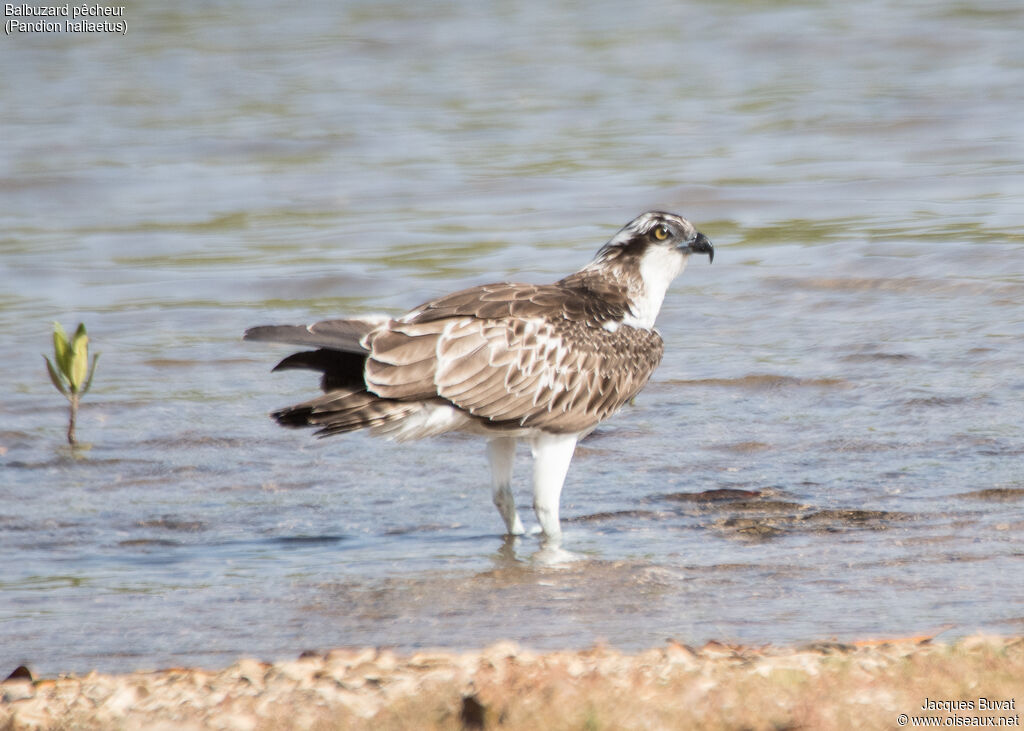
column 541, row 362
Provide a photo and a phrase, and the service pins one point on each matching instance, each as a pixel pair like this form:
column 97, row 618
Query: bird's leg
column 501, row 453
column 551, row 456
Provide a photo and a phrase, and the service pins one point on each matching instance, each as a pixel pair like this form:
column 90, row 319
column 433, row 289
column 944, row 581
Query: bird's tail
column 346, row 409
column 340, row 357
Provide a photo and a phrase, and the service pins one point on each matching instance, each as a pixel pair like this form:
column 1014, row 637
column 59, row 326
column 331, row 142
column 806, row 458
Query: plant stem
column 73, row 399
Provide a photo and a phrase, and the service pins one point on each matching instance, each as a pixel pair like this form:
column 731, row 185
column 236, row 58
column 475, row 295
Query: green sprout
column 72, row 374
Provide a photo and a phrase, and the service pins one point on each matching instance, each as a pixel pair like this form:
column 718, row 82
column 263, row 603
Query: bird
column 541, row 363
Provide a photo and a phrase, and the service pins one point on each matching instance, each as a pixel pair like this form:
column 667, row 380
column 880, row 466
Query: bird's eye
column 661, row 232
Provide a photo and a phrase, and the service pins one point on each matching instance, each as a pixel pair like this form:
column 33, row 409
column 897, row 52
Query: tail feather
column 345, row 410
column 340, row 369
column 343, row 335
column 340, row 356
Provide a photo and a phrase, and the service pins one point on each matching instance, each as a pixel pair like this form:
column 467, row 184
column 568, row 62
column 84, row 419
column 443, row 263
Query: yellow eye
column 661, row 232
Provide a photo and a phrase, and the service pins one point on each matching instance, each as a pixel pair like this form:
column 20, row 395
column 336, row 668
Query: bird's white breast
column 659, row 266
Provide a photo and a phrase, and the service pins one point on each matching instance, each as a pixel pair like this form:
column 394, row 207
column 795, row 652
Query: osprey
column 541, row 362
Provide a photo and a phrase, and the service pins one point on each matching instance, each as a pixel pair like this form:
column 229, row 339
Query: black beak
column 701, row 245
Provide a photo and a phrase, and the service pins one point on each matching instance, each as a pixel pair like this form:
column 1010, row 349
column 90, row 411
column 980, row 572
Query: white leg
column 501, row 453
column 551, row 456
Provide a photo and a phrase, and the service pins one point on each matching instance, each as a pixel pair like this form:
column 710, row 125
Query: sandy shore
column 822, row 686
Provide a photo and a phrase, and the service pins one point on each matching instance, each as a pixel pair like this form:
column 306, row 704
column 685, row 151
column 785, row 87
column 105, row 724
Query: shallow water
column 831, row 448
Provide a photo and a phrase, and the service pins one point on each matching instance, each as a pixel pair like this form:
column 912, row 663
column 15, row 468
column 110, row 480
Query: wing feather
column 485, row 396
column 466, row 375
column 399, row 349
column 461, row 341
column 551, row 383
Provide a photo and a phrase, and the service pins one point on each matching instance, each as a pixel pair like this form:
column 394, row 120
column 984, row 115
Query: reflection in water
column 831, row 447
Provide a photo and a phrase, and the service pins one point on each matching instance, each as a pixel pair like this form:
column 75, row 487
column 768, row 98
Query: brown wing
column 515, row 354
column 496, row 301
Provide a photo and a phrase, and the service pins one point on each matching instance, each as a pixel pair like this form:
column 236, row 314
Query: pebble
column 16, row 690
column 359, row 683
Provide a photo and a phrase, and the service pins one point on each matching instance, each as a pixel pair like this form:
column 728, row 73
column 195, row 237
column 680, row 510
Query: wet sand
column 821, row 686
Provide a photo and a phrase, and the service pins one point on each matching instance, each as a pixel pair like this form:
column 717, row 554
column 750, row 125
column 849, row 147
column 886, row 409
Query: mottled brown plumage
column 504, row 360
column 537, row 357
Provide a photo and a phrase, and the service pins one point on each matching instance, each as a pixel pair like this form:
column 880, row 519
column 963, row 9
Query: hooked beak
column 700, row 245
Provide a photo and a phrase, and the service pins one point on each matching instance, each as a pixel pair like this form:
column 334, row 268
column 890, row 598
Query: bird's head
column 644, row 257
column 656, row 234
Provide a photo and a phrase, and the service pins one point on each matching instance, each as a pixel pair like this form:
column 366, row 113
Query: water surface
column 831, row 448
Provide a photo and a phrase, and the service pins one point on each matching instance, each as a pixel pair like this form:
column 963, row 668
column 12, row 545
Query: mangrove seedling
column 70, row 371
